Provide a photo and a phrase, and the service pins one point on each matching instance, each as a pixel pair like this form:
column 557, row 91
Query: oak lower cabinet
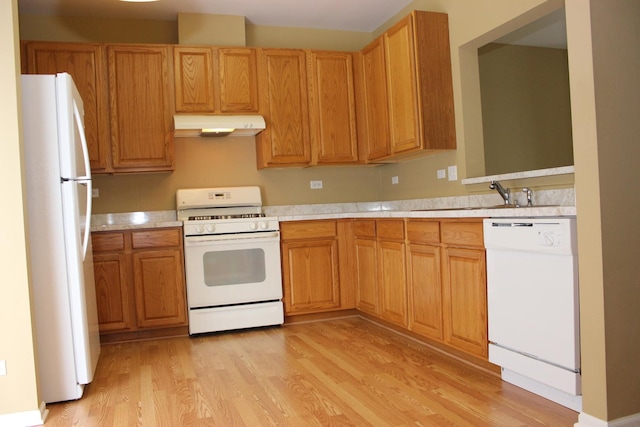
column 424, row 278
column 464, row 289
column 381, row 273
column 310, row 266
column 139, row 277
column 447, row 283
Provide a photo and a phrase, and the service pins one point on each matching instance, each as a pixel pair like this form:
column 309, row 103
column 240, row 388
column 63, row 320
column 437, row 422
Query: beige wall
column 526, row 112
column 604, row 64
column 18, row 389
column 606, row 157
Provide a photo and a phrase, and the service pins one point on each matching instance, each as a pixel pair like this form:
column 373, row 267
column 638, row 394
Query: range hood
column 187, row 125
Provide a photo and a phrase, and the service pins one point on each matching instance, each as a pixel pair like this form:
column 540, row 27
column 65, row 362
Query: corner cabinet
column 140, row 107
column 419, row 116
column 140, row 285
column 85, row 63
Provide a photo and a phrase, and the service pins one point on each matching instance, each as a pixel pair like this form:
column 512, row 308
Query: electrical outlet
column 315, row 185
column 3, row 368
column 394, row 180
column 95, row 193
column 453, row 173
column 442, row 174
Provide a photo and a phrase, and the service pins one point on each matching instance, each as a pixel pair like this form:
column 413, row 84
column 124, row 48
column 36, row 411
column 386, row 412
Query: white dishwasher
column 533, row 305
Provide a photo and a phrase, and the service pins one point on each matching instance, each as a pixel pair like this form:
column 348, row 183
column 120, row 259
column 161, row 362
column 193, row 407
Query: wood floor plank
column 342, row 372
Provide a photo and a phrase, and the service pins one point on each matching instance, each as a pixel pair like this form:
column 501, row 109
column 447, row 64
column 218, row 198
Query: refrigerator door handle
column 83, row 142
column 87, row 168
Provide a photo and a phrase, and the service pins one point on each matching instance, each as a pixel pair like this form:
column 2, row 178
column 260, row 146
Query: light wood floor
column 344, row 372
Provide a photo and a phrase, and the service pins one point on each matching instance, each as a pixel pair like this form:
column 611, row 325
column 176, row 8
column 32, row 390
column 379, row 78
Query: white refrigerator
column 58, row 194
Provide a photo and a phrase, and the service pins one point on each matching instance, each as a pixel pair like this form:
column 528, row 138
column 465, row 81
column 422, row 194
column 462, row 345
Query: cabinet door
column 332, row 112
column 367, row 276
column 112, row 291
column 238, row 80
column 392, row 282
column 402, row 89
column 465, row 296
column 374, row 101
column 285, row 141
column 310, row 276
column 84, row 62
column 194, row 82
column 425, row 290
column 159, row 288
column 140, row 108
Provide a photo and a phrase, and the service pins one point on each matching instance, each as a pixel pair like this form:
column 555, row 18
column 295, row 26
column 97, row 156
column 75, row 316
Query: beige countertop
column 134, row 220
column 550, row 203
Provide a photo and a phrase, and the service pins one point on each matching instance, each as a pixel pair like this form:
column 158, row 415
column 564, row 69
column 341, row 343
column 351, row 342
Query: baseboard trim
column 25, row 419
column 586, row 420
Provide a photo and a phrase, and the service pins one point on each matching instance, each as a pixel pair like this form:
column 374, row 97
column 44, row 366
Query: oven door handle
column 267, row 236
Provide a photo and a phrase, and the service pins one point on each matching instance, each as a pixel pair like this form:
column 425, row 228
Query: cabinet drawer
column 423, row 231
column 307, row 229
column 364, row 228
column 392, row 229
column 107, row 242
column 156, row 238
column 462, row 233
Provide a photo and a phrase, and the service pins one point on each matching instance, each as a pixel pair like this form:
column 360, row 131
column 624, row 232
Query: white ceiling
column 351, row 15
column 548, row 31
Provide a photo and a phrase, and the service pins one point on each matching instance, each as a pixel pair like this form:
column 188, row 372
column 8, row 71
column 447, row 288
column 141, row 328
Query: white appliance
column 232, row 259
column 533, row 305
column 58, row 189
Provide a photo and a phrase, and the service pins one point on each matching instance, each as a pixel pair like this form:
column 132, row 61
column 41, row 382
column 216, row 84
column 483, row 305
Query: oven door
column 225, row 270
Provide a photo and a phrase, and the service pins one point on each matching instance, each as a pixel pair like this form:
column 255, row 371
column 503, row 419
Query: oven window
column 234, row 267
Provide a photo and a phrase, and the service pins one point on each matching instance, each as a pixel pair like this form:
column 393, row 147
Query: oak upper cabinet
column 113, row 288
column 238, row 73
column 424, row 278
column 141, row 105
column 140, row 285
column 284, row 105
column 366, row 265
column 310, row 266
column 194, row 71
column 85, row 63
column 332, row 108
column 215, row 80
column 419, row 90
column 464, row 286
column 373, row 117
column 392, row 277
column 158, row 277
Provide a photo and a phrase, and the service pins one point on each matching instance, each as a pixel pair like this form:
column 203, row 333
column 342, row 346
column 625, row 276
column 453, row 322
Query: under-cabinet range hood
column 187, row 125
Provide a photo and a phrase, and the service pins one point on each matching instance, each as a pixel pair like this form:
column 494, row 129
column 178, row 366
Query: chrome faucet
column 529, row 193
column 505, row 194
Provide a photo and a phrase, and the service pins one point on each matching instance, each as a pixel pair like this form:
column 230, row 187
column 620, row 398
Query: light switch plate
column 394, row 180
column 453, row 173
column 441, row 174
column 315, row 185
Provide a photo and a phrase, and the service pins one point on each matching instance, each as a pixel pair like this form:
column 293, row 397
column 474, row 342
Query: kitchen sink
column 472, row 208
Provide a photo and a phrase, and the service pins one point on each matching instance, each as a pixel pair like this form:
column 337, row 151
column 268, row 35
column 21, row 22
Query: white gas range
column 232, row 259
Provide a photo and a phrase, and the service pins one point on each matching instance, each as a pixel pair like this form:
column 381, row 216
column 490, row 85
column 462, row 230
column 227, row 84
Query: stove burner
column 209, row 217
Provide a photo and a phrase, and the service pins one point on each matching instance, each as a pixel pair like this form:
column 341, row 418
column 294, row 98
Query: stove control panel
column 230, row 226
